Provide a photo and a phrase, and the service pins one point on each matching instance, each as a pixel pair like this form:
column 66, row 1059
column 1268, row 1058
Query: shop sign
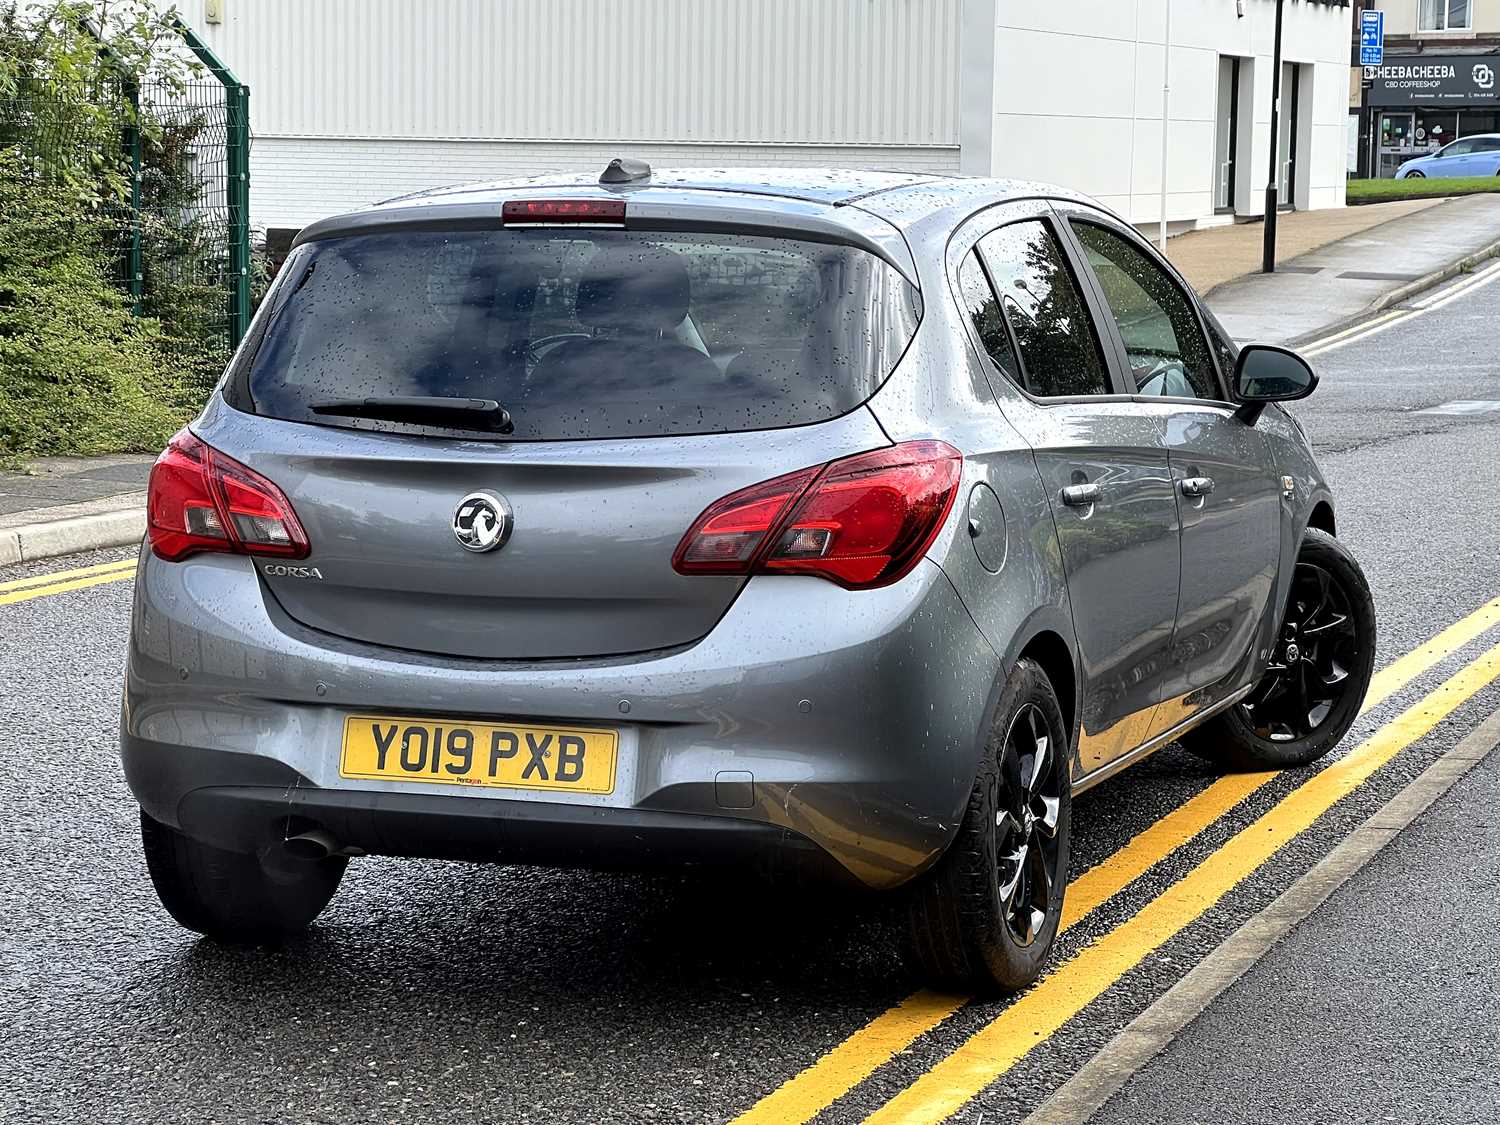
column 1434, row 80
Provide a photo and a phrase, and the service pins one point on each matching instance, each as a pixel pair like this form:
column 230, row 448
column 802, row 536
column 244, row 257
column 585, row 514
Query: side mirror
column 1267, row 373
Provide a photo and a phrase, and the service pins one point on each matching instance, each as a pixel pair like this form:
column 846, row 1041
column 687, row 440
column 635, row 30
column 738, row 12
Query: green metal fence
column 227, row 104
column 181, row 228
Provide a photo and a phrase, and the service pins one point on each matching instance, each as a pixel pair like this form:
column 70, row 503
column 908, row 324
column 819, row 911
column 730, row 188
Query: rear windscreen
column 580, row 333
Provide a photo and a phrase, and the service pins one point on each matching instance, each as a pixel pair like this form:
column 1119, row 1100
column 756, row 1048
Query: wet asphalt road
column 1396, row 1026
column 441, row 992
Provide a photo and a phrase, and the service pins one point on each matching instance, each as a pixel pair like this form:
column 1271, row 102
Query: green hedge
column 78, row 373
column 1385, row 191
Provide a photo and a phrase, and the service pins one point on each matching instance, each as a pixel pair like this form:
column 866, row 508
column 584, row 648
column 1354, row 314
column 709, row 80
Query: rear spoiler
column 662, row 209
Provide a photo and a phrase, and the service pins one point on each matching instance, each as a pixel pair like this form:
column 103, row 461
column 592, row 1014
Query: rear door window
column 1041, row 300
column 983, row 310
column 583, row 333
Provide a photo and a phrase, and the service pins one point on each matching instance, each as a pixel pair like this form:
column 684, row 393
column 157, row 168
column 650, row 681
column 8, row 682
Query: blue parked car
column 1469, row 156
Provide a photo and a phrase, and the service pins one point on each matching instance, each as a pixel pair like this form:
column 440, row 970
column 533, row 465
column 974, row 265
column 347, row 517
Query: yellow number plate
column 505, row 756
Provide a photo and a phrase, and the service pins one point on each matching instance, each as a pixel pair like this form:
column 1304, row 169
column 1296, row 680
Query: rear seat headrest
column 640, row 287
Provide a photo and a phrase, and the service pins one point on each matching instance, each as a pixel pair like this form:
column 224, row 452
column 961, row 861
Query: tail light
column 862, row 522
column 201, row 500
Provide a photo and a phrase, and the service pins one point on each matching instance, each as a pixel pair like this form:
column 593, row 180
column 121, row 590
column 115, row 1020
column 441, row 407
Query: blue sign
column 1371, row 38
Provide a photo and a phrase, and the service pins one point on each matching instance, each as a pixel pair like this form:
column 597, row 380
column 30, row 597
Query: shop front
column 1418, row 103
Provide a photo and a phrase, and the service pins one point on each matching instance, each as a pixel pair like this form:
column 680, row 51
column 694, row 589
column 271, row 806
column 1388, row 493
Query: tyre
column 985, row 916
column 236, row 897
column 1416, row 175
column 1319, row 671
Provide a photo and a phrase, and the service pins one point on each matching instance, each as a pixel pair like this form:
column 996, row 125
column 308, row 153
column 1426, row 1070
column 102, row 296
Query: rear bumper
column 239, row 800
column 858, row 716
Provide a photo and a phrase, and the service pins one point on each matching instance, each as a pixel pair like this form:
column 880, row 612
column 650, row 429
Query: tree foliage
column 79, row 373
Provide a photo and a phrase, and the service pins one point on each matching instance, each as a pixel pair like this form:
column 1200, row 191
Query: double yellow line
column 1392, row 317
column 58, row 582
column 1068, row 988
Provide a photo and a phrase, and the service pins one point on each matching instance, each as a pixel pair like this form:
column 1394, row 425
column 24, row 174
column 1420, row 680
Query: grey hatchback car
column 823, row 523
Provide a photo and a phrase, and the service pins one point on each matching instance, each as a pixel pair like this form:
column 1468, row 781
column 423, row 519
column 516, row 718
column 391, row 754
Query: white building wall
column 1078, row 99
column 404, row 94
column 295, row 180
column 358, row 100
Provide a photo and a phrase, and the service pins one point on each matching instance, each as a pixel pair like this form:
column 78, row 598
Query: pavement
column 64, row 504
column 1335, row 266
column 1400, row 1029
column 438, row 992
column 1210, row 257
column 1314, row 292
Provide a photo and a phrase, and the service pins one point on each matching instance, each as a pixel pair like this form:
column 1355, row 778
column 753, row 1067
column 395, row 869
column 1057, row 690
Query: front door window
column 1167, row 350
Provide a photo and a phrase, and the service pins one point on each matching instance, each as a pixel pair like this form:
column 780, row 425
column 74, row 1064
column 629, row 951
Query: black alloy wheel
column 1028, row 799
column 1309, row 672
column 1316, row 674
column 985, row 916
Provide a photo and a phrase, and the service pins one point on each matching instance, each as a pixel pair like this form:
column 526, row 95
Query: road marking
column 808, row 1093
column 1392, row 317
column 61, row 581
column 1464, row 406
column 1362, row 329
column 949, row 1085
column 1146, row 1036
column 61, row 575
column 1370, row 328
column 1452, row 293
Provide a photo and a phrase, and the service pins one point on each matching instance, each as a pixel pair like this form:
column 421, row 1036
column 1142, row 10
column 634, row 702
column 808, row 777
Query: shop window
column 1478, row 122
column 1435, row 128
column 1444, row 15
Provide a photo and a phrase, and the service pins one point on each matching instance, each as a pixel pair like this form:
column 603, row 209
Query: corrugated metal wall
column 845, row 72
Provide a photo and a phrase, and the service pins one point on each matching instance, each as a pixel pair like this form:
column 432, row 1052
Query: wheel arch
column 1049, row 651
column 1045, row 639
column 1321, row 517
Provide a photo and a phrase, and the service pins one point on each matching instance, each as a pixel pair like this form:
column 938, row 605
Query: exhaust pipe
column 313, row 844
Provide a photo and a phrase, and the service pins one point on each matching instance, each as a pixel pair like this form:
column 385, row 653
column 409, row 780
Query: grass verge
column 1388, row 191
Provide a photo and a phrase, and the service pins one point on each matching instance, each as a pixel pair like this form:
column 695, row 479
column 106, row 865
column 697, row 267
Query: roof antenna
column 625, row 170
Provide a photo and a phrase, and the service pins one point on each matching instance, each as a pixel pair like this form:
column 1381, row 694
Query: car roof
column 891, row 213
column 815, row 185
column 899, row 197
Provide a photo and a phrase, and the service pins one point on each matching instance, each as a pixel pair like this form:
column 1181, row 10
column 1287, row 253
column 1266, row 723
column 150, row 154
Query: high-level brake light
column 552, row 211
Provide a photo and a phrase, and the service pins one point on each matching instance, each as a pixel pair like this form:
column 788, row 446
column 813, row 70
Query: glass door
column 1397, row 142
column 1288, row 141
column 1226, row 130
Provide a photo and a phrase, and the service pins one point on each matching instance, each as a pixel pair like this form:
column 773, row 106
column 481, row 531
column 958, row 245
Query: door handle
column 1196, row 486
column 1080, row 495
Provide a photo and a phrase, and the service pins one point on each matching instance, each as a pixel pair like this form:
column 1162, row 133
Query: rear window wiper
column 423, row 410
